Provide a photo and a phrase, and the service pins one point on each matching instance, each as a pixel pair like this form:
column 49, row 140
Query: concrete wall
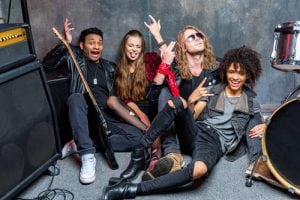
column 15, row 14
column 228, row 23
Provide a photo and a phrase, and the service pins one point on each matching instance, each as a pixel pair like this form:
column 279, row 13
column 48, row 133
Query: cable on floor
column 51, row 194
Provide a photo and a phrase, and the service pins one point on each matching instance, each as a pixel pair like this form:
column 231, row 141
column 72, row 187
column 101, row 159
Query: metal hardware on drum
column 293, row 94
column 249, row 180
column 286, row 47
column 280, row 143
column 264, row 158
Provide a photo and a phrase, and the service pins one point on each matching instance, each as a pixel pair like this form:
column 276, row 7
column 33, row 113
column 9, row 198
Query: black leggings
column 168, row 181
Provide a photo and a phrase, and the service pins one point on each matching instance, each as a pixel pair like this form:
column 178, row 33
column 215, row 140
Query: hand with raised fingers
column 68, row 30
column 199, row 92
column 167, row 55
column 154, row 27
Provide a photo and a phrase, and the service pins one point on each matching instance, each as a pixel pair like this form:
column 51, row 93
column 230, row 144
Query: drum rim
column 286, row 183
column 291, row 67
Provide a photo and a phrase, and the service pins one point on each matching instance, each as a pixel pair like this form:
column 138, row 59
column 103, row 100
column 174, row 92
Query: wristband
column 163, row 68
column 161, row 44
column 172, row 84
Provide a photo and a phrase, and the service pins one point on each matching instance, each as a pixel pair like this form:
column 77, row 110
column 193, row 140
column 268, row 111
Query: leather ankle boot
column 121, row 190
column 140, row 158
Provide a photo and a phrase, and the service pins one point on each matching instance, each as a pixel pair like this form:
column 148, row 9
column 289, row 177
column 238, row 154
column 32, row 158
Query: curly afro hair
column 247, row 59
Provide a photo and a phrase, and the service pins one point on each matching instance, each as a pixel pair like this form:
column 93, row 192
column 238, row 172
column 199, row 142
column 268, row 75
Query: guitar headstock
column 59, row 36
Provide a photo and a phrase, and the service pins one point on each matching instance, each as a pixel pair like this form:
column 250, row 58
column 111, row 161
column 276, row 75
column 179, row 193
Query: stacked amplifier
column 29, row 141
column 15, row 46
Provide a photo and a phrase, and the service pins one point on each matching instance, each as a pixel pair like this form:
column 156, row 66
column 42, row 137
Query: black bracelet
column 161, row 43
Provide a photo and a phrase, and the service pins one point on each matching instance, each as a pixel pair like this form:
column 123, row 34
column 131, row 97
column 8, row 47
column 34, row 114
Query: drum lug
column 267, row 120
column 264, row 158
column 274, row 53
column 249, row 182
column 291, row 190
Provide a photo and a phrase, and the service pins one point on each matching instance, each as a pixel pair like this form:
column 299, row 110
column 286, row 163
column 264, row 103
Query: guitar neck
column 81, row 75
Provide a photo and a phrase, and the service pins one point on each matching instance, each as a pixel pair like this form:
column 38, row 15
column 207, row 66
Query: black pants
column 123, row 136
column 200, row 140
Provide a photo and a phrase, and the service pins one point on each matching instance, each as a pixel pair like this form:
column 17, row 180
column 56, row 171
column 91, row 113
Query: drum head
column 281, row 145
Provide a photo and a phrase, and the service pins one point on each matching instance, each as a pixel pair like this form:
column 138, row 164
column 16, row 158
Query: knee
column 111, row 102
column 177, row 102
column 76, row 99
column 199, row 170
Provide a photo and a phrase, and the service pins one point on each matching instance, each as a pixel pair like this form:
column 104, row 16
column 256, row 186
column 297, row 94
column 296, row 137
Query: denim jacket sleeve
column 253, row 144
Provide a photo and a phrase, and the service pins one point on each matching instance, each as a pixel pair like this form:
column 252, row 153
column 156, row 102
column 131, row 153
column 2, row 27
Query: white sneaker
column 88, row 169
column 68, row 149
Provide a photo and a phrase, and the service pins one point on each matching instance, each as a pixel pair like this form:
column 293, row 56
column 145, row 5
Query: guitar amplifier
column 16, row 46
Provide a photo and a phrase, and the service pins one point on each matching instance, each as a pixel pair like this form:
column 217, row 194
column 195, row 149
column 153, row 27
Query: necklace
column 95, row 80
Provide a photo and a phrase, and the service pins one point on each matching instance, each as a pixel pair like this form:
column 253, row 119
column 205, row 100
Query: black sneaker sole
column 162, row 167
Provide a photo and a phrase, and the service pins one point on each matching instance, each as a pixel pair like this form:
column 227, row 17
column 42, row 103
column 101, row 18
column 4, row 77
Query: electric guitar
column 101, row 124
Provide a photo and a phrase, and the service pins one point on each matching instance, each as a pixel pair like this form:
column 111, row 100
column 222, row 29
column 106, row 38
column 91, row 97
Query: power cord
column 50, row 194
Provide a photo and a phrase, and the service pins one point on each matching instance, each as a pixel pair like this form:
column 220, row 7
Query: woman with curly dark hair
column 247, row 59
column 223, row 121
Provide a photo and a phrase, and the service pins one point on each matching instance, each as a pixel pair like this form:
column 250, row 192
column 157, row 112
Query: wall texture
column 228, row 24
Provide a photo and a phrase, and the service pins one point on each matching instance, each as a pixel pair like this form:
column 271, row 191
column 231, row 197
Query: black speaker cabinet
column 29, row 141
column 59, row 84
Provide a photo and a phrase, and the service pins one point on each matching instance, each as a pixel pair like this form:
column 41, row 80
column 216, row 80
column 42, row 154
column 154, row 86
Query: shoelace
column 88, row 165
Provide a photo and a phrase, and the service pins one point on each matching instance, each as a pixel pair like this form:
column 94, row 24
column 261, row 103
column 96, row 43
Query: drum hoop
column 275, row 172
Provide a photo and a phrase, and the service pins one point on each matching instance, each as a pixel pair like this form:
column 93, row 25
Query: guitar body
column 100, row 133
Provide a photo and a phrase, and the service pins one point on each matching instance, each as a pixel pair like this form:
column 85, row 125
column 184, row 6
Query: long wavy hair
column 181, row 57
column 127, row 87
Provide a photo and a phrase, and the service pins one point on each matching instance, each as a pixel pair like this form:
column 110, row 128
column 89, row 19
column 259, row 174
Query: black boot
column 114, row 180
column 121, row 190
column 140, row 158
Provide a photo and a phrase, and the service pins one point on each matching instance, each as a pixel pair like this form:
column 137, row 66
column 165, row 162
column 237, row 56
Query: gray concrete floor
column 227, row 181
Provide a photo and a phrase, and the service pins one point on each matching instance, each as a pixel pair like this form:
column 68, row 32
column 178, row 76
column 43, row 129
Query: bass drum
column 281, row 143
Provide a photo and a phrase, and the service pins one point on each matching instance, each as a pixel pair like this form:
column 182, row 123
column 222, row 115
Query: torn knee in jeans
column 177, row 102
column 199, row 170
column 184, row 103
column 171, row 104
